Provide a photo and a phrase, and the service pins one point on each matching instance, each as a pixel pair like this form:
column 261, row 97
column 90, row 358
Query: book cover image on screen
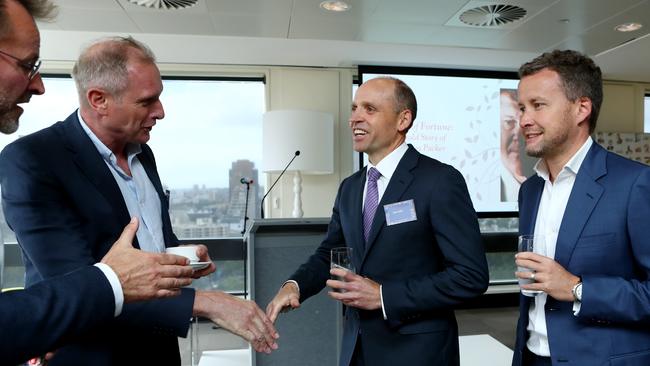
column 472, row 123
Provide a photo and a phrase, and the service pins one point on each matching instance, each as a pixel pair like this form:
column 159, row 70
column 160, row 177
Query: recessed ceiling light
column 628, row 27
column 335, row 5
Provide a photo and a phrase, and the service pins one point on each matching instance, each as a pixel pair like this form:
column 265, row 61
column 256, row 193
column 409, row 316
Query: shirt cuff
column 381, row 297
column 576, row 307
column 115, row 285
column 294, row 282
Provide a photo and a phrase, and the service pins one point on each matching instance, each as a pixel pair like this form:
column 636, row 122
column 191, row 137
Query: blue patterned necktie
column 372, row 200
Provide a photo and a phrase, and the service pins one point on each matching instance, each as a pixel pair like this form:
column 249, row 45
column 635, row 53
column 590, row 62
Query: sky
column 207, row 126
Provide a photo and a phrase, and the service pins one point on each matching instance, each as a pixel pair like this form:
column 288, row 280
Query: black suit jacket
column 66, row 209
column 425, row 267
column 53, row 312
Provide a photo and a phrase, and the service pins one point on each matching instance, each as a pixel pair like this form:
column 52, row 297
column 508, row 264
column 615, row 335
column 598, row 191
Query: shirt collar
column 388, row 164
column 104, row 151
column 573, row 165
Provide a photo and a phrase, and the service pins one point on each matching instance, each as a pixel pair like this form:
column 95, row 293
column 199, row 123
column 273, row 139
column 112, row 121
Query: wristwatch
column 577, row 291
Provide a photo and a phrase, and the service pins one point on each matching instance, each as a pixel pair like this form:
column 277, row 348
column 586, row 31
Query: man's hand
column 241, row 317
column 287, row 298
column 549, row 276
column 145, row 275
column 202, row 253
column 358, row 292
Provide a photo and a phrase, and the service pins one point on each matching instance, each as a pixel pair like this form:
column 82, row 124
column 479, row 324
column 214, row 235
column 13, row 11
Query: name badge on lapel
column 400, row 212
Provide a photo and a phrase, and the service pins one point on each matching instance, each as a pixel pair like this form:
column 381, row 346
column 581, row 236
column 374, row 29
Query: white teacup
column 187, row 251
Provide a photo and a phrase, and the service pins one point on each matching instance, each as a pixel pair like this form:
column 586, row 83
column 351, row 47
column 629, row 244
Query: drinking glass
column 341, row 258
column 535, row 244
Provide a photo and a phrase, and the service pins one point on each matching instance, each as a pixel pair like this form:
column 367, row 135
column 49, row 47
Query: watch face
column 579, row 292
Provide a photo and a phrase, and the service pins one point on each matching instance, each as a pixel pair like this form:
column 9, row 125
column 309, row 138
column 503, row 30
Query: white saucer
column 199, row 265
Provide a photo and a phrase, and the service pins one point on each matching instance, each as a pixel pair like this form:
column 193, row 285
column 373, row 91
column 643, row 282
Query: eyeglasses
column 31, row 68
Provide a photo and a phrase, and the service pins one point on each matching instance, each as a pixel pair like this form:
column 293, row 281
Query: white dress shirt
column 386, row 168
column 547, row 224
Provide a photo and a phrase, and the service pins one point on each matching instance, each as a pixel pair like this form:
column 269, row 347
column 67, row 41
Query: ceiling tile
column 259, row 7
column 250, row 25
column 89, row 4
column 173, row 23
column 95, row 20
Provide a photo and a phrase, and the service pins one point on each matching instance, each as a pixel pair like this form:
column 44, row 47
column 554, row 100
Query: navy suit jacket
column 53, row 312
column 604, row 239
column 66, row 209
column 425, row 267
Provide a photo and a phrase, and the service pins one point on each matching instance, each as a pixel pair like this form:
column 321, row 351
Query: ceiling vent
column 492, row 15
column 497, row 15
column 165, row 4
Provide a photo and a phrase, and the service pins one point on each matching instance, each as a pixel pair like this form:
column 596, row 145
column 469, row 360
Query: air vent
column 492, row 15
column 165, row 4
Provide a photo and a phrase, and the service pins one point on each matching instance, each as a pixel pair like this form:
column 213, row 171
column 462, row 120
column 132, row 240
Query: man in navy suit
column 41, row 318
column 591, row 207
column 417, row 255
column 68, row 189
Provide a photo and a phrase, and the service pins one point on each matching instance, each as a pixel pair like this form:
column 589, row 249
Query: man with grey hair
column 44, row 316
column 87, row 176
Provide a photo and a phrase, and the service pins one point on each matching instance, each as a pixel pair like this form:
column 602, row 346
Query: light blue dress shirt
column 139, row 194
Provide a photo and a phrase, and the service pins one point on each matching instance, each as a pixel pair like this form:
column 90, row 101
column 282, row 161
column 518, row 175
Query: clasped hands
column 549, row 276
column 241, row 317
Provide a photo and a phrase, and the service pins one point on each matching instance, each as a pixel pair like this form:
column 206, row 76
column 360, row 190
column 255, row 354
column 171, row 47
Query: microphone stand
column 295, row 155
column 248, row 188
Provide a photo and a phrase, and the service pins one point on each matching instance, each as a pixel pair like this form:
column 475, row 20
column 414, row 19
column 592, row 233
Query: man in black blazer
column 69, row 189
column 43, row 317
column 417, row 256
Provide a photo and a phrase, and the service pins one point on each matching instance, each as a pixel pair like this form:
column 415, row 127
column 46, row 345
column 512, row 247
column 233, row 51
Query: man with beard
column 43, row 317
column 589, row 209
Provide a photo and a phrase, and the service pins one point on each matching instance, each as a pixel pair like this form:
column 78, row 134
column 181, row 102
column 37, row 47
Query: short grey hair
column 103, row 64
column 38, row 9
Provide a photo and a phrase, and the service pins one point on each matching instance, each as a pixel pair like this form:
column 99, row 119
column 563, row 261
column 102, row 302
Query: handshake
column 146, row 276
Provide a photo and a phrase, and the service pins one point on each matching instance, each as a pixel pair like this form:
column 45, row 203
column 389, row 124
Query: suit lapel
column 583, row 199
column 529, row 206
column 400, row 180
column 92, row 165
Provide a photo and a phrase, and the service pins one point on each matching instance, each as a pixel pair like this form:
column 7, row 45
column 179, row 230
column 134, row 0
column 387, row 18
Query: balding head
column 103, row 65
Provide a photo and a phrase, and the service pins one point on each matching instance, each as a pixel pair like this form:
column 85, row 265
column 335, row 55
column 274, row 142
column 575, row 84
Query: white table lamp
column 287, row 131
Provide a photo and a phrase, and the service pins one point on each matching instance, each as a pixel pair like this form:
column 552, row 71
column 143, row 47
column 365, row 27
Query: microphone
column 276, row 181
column 246, row 181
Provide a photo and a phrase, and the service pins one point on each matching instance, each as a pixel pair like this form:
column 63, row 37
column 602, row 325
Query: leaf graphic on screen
column 468, row 139
column 478, row 195
column 485, row 156
column 487, row 101
column 475, row 138
column 471, row 125
column 495, row 94
column 494, row 134
column 462, row 164
column 474, row 162
column 489, row 107
column 478, row 109
column 479, row 121
column 470, row 108
column 468, row 154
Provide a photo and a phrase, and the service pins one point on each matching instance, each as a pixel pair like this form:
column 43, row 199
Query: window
column 210, row 138
column 646, row 113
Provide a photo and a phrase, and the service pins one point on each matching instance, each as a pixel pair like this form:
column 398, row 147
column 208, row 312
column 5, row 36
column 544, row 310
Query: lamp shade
column 287, row 131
